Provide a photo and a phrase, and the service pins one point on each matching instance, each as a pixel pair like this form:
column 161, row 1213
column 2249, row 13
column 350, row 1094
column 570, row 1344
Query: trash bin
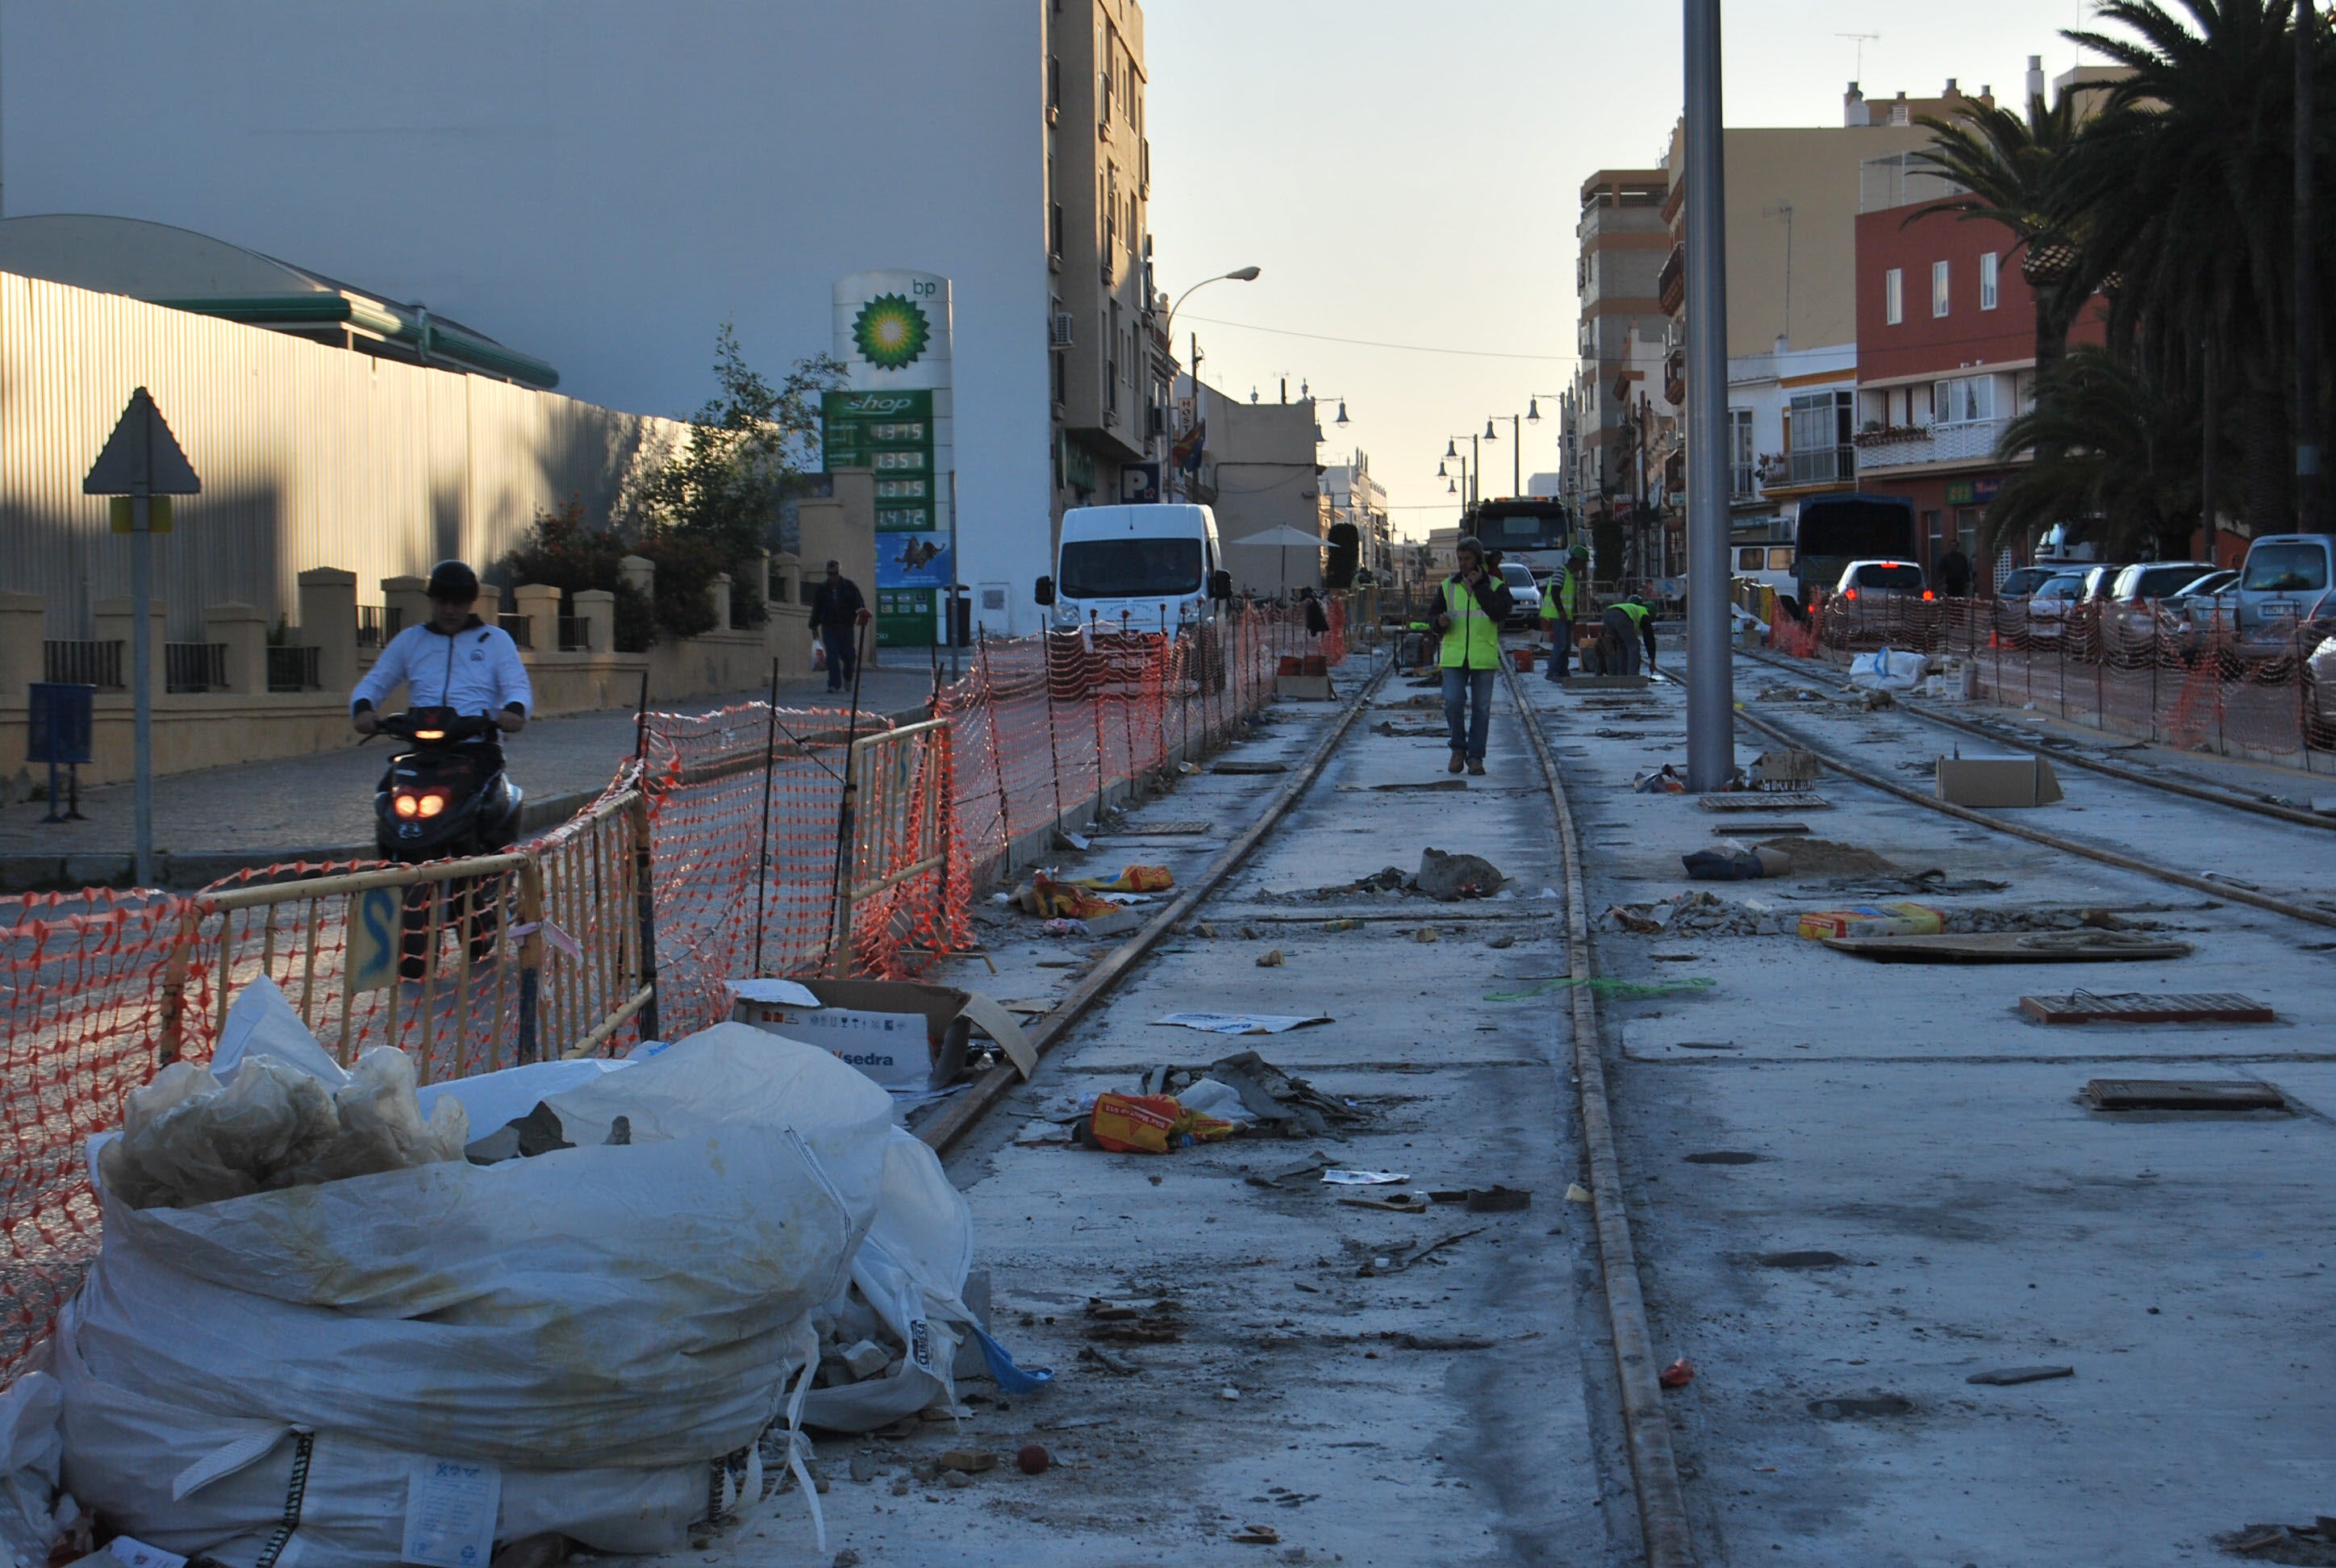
column 1525, row 657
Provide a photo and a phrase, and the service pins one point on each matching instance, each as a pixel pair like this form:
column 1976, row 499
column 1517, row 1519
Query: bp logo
column 890, row 331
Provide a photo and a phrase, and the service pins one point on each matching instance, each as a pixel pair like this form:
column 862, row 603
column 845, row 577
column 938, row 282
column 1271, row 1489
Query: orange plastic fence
column 742, row 808
column 2135, row 668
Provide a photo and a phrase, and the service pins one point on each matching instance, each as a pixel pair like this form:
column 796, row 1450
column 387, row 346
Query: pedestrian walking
column 837, row 613
column 1559, row 598
column 1628, row 623
column 1955, row 572
column 1473, row 603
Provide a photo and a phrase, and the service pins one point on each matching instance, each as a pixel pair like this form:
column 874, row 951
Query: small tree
column 565, row 551
column 714, row 506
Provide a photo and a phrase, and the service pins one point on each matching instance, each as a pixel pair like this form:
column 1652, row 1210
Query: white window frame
column 1990, row 269
column 1965, row 400
column 1894, row 297
column 1941, row 290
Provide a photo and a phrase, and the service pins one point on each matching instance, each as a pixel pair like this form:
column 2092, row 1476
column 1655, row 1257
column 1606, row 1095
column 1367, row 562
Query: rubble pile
column 1703, row 913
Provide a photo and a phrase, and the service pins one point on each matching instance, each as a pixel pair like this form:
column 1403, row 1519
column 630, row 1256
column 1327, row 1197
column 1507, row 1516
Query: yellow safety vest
column 1472, row 641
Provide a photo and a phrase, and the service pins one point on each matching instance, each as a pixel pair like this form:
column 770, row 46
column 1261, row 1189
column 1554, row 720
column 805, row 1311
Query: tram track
column 1661, row 1513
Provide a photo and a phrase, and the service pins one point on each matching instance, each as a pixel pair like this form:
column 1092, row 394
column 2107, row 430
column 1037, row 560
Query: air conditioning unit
column 1058, row 333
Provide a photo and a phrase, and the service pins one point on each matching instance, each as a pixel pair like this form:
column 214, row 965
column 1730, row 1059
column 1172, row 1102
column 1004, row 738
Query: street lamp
column 1168, row 331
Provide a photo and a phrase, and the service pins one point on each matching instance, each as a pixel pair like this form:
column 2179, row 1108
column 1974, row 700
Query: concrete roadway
column 1284, row 1405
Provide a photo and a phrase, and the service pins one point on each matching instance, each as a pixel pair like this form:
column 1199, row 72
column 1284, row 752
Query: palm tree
column 2013, row 172
column 2187, row 182
column 2117, row 460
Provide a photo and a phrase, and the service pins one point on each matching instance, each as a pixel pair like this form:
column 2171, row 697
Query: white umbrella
column 1283, row 538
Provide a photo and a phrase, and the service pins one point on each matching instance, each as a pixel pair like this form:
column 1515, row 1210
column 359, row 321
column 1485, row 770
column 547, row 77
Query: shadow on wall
column 226, row 546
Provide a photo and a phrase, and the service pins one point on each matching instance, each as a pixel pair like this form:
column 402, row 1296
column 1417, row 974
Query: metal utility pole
column 2311, row 490
column 1711, row 672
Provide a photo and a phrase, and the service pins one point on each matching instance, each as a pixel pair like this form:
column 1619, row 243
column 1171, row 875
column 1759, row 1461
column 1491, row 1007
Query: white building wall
column 600, row 184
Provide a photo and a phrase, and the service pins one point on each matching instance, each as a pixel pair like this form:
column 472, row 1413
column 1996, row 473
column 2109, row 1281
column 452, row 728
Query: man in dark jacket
column 837, row 614
column 1472, row 605
column 1955, row 572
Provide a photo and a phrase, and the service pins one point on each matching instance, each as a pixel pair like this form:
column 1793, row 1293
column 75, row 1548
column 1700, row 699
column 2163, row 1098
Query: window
column 1817, row 434
column 1780, row 558
column 1743, row 471
column 1964, row 400
column 1938, row 288
column 1988, row 264
column 1893, row 296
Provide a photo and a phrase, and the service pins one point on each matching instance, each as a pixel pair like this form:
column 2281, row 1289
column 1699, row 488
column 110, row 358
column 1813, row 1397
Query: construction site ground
column 1911, row 1190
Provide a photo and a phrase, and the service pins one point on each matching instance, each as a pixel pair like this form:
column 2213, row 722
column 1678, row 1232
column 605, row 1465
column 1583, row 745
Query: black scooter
column 445, row 797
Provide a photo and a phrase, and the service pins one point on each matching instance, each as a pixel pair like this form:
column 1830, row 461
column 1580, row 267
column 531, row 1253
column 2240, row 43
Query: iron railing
column 83, row 663
column 521, row 629
column 575, row 634
column 294, row 670
column 194, row 667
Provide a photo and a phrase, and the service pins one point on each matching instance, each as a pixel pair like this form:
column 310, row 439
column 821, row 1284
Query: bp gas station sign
column 893, row 418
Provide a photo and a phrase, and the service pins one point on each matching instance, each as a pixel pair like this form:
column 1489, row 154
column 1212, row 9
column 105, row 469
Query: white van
column 1141, row 568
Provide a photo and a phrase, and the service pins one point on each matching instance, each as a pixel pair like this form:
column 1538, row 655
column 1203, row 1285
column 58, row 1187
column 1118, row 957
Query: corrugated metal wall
column 309, row 456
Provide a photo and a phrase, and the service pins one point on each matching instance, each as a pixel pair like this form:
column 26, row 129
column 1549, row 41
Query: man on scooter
column 453, row 660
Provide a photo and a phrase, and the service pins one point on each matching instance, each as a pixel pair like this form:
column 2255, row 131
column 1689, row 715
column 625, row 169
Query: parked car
column 2134, row 605
column 2297, row 636
column 1524, row 594
column 2192, row 612
column 1872, row 578
column 2048, row 606
column 2283, row 574
column 2023, row 581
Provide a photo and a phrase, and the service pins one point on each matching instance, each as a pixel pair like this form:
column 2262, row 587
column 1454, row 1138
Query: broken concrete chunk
column 865, row 1360
column 1448, row 877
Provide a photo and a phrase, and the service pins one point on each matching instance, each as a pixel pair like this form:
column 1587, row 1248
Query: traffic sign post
column 142, row 461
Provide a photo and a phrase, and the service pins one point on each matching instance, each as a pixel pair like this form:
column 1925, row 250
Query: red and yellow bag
column 1151, row 1124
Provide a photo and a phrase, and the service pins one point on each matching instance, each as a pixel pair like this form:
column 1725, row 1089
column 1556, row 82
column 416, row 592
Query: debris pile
column 1704, row 913
column 1446, row 878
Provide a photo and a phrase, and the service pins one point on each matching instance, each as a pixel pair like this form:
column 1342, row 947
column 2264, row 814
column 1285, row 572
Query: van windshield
column 1130, row 568
column 2286, row 568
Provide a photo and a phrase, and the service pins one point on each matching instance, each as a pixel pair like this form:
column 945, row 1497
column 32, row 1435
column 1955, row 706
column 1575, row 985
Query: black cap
column 453, row 581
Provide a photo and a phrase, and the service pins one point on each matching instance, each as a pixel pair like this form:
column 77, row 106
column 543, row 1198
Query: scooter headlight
column 434, row 802
column 405, row 805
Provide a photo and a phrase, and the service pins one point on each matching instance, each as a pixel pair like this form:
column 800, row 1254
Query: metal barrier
column 901, row 784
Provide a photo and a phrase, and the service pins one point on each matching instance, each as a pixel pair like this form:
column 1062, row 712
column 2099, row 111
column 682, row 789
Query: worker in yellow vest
column 1559, row 598
column 1472, row 605
column 1628, row 623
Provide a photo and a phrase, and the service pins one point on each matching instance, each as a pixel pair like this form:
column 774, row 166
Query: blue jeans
column 840, row 655
column 1560, row 645
column 1468, row 709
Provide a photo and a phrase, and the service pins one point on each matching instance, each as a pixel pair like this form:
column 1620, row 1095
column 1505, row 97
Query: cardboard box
column 1997, row 781
column 1902, row 918
column 890, row 1029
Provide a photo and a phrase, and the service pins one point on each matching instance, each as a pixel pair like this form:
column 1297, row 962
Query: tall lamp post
column 1710, row 670
column 1168, row 331
column 1516, row 448
column 1473, row 474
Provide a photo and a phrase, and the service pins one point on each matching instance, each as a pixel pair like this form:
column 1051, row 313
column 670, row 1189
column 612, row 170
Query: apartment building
column 1623, row 240
column 1111, row 367
column 1358, row 511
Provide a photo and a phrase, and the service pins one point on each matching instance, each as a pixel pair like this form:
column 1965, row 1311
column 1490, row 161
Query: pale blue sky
column 1407, row 172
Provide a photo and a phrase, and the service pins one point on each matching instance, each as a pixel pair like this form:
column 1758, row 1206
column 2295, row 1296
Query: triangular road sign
column 141, row 451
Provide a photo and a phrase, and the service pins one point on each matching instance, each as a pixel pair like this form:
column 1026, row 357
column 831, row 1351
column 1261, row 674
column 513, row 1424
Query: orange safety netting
column 2136, row 668
column 540, row 957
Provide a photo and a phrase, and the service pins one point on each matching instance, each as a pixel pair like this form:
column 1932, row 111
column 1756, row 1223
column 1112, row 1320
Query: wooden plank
column 2184, row 1094
column 2148, row 1007
column 1764, row 801
column 2012, row 948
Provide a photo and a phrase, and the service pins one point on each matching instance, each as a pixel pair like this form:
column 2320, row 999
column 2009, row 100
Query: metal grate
column 376, row 624
column 293, row 668
column 194, row 667
column 575, row 634
column 97, row 664
column 521, row 629
column 2148, row 1007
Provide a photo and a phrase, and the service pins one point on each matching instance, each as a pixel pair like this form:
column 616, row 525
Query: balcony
column 1822, row 466
column 1965, row 440
column 1671, row 284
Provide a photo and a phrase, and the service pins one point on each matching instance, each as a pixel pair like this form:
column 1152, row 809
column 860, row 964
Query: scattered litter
column 1447, row 878
column 1230, row 1394
column 2008, row 947
column 1269, row 960
column 1884, row 670
column 1244, row 1023
column 1408, row 1259
column 1256, row 1536
column 1576, row 1193
column 1494, row 1200
column 2008, row 1377
column 1036, row 1134
column 1606, row 986
column 1425, row 934
column 1698, row 911
column 1903, row 919
column 1665, row 780
column 2184, row 1094
column 1342, row 925
column 1342, row 1178
column 1269, row 1179
column 1386, row 879
column 1677, row 1375
column 1133, row 880
column 1150, row 1125
column 1734, row 862
column 1762, row 801
column 1275, row 1096
column 1401, row 1203
column 1783, row 771
column 2146, row 1007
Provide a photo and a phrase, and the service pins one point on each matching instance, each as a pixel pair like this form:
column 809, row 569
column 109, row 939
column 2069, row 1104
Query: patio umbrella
column 1284, row 539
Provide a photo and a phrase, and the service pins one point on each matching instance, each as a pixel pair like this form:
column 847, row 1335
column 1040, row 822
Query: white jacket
column 475, row 671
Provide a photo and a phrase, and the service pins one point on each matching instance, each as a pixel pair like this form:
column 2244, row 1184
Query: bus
column 1534, row 529
column 1834, row 529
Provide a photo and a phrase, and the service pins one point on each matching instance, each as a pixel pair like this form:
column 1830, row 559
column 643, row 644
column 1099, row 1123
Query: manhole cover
column 2148, row 1007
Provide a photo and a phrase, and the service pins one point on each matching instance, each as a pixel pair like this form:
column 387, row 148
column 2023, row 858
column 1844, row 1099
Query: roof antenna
column 1861, row 39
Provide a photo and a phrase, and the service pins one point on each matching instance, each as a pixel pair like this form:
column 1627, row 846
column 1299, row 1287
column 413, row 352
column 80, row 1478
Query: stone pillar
column 115, row 623
column 719, row 591
column 598, row 607
column 328, row 623
column 408, row 595
column 24, row 625
column 540, row 602
column 639, row 573
column 244, row 630
column 782, row 579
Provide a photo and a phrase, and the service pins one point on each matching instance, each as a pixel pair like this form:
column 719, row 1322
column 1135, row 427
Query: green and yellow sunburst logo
column 890, row 331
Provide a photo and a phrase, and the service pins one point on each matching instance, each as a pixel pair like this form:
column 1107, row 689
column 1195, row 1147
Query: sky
column 1409, row 173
